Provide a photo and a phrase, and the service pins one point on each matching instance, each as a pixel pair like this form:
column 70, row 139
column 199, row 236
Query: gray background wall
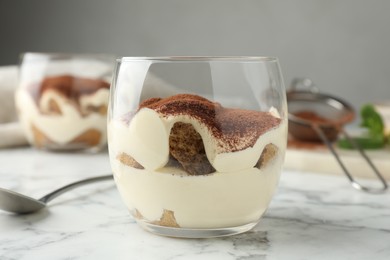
column 343, row 45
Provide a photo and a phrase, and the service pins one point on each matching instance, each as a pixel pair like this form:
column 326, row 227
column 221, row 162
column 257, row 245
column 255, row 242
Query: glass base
column 195, row 232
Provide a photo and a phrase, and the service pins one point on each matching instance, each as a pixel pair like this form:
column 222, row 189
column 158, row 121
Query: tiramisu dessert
column 187, row 162
column 64, row 112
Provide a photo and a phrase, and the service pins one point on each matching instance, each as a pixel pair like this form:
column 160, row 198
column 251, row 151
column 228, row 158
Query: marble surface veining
column 311, row 217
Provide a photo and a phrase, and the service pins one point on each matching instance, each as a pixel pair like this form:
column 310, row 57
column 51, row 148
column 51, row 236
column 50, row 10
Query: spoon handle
column 73, row 185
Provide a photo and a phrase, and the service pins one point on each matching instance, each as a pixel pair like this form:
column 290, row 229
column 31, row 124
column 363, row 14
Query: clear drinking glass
column 197, row 144
column 62, row 100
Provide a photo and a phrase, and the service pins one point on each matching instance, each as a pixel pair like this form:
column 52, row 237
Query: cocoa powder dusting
column 235, row 129
column 69, row 86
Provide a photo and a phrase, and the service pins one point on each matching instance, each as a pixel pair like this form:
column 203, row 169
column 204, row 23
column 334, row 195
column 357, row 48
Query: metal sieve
column 326, row 118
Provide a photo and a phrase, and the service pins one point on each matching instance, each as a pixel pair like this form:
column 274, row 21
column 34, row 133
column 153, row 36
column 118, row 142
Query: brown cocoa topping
column 71, row 87
column 235, row 129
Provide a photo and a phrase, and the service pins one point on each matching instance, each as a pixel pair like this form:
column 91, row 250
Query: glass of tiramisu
column 197, row 144
column 62, row 100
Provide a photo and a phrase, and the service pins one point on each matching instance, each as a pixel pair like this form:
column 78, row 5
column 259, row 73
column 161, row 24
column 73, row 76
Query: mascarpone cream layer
column 61, row 128
column 206, row 201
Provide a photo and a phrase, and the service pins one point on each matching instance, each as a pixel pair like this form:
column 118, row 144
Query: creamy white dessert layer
column 61, row 128
column 205, row 201
column 236, row 194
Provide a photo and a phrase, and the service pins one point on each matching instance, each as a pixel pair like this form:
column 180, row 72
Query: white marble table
column 311, row 217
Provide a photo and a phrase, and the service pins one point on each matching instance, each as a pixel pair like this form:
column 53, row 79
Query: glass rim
column 199, row 59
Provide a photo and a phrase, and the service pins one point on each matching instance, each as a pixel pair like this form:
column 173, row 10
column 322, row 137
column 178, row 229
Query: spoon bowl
column 15, row 202
column 18, row 203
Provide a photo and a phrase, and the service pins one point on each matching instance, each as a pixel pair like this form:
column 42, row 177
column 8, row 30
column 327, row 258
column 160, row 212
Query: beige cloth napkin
column 11, row 133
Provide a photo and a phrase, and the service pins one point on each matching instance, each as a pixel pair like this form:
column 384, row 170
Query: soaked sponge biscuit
column 90, row 137
column 267, row 156
column 129, row 161
column 167, row 219
column 186, row 146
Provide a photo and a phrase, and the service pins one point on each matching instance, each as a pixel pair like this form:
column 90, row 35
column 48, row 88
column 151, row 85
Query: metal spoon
column 18, row 203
